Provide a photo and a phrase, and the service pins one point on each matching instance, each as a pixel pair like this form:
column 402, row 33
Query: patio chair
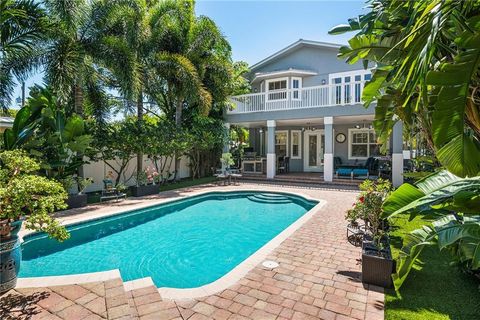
column 337, row 162
column 234, row 173
column 360, row 173
column 344, row 172
column 284, row 165
column 109, row 192
column 222, row 176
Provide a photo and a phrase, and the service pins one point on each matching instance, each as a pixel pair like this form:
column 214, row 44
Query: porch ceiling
column 354, row 120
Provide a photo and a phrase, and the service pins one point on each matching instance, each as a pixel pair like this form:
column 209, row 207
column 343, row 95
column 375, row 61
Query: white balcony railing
column 309, row 97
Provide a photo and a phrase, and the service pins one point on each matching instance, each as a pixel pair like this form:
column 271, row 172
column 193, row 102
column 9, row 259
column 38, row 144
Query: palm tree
column 77, row 50
column 22, row 25
column 193, row 68
column 154, row 35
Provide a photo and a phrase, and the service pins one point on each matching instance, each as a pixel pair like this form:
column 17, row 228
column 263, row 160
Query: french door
column 347, row 87
column 314, row 146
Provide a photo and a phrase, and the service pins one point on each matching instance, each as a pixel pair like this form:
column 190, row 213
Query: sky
column 257, row 29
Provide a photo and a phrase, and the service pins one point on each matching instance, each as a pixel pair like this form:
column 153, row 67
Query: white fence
column 309, row 97
column 98, row 170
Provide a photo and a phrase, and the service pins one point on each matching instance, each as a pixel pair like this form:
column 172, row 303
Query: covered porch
column 329, row 149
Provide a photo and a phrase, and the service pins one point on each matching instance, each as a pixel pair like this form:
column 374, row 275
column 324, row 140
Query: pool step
column 268, row 198
column 146, row 303
column 116, row 300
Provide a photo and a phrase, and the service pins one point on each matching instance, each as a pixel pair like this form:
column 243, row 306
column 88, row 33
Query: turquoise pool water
column 184, row 244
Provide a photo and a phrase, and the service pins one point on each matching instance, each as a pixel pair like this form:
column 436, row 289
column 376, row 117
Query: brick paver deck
column 318, row 278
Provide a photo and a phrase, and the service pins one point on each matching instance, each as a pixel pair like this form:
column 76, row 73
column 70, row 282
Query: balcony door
column 348, row 86
column 314, row 148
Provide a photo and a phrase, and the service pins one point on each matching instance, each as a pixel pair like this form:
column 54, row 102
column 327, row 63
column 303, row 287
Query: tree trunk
column 139, row 119
column 178, row 123
column 78, row 108
column 78, row 99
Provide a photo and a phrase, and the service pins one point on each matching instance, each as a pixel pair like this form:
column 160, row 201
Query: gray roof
column 294, row 46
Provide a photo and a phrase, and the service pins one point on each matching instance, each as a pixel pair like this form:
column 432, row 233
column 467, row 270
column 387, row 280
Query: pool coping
column 227, row 280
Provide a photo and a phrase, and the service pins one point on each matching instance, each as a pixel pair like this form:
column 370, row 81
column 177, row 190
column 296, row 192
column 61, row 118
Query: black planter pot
column 10, row 258
column 140, row 191
column 377, row 265
column 76, row 200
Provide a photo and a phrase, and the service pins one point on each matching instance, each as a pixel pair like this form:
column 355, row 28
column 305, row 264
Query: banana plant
column 44, row 130
column 456, row 203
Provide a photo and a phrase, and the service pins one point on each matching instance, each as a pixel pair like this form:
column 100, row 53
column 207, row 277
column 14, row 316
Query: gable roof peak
column 297, row 44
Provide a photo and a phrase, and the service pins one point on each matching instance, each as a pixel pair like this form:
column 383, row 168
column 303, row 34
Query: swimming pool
column 182, row 244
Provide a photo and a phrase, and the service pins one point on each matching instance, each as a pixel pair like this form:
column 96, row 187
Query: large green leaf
column 438, row 188
column 457, row 151
column 452, row 232
column 436, row 181
column 372, row 87
column 461, row 155
column 74, row 127
column 413, row 244
column 401, row 198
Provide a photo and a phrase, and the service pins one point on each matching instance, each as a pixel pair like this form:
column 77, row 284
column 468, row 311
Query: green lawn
column 186, row 183
column 95, row 197
column 435, row 289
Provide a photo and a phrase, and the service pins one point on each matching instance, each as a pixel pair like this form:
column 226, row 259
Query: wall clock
column 340, row 138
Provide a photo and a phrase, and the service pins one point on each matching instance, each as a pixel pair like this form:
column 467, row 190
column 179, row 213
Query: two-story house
column 306, row 105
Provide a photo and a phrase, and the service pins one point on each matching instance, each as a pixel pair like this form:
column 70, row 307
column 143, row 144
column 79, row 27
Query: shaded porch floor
column 310, row 178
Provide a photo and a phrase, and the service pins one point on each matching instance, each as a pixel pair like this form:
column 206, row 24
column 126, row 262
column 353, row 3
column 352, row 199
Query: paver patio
column 318, row 275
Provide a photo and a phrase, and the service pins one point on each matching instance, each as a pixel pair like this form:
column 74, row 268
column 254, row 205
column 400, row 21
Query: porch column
column 226, row 145
column 271, row 157
column 328, row 155
column 397, row 154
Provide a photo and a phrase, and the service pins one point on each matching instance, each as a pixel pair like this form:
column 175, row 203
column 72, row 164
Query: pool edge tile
column 38, row 282
column 138, row 284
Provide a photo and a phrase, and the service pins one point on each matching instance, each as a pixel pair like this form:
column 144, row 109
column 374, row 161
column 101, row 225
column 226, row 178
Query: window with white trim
column 362, row 143
column 281, row 143
column 277, row 89
column 296, row 146
column 296, row 84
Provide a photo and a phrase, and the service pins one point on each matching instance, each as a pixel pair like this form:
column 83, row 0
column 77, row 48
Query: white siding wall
column 98, row 170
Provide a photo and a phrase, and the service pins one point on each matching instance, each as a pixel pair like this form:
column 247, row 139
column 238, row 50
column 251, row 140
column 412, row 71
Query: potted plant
column 377, row 262
column 355, row 230
column 24, row 196
column 77, row 198
column 226, row 161
column 147, row 183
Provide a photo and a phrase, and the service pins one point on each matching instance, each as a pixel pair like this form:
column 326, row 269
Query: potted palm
column 24, row 196
column 377, row 262
column 77, row 185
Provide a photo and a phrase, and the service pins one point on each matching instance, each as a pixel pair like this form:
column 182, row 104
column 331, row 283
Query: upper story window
column 348, row 86
column 277, row 89
column 296, row 84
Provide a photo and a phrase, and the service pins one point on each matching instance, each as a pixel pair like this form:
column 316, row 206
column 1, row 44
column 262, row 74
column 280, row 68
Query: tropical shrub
column 455, row 202
column 23, row 194
column 115, row 144
column 45, row 131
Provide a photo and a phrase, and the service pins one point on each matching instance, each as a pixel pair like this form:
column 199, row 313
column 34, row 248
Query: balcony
column 290, row 99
